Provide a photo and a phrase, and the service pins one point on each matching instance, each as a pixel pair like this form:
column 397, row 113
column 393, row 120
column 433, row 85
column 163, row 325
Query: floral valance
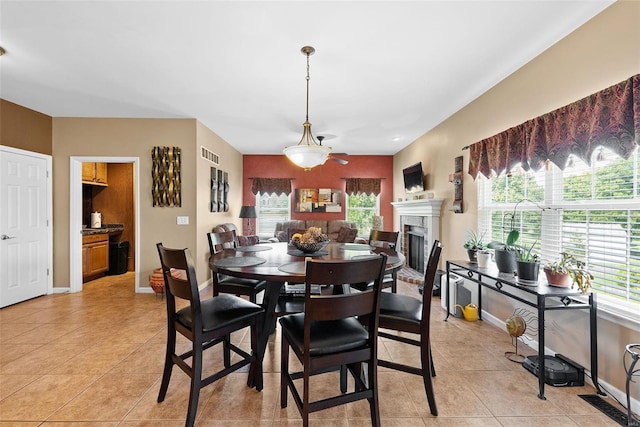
column 609, row 118
column 271, row 186
column 355, row 186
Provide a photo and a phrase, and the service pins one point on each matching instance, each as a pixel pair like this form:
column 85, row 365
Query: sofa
column 337, row 230
column 242, row 240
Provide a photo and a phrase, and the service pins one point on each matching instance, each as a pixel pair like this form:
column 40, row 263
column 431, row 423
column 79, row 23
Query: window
column 271, row 209
column 592, row 211
column 361, row 209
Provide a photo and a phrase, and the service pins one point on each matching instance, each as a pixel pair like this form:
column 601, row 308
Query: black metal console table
column 546, row 298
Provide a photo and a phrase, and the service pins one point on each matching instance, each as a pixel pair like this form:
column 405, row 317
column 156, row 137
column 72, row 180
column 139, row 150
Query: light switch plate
column 183, row 220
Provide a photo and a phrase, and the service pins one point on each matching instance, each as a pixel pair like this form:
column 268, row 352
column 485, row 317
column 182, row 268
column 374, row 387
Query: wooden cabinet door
column 99, row 257
column 88, row 171
column 101, row 173
column 85, row 260
column 95, row 255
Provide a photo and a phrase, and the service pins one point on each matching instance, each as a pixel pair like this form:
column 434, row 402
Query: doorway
column 26, row 235
column 76, row 220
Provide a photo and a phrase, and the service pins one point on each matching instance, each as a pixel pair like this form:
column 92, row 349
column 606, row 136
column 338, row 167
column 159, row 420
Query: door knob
column 5, row 237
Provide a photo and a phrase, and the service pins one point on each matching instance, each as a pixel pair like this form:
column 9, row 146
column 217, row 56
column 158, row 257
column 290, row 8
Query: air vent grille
column 209, row 155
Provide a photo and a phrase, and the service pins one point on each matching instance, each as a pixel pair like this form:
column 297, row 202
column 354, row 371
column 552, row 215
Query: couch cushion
column 347, row 235
column 321, row 224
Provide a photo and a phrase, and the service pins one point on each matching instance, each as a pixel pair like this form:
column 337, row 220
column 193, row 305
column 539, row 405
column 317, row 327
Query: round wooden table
column 277, row 263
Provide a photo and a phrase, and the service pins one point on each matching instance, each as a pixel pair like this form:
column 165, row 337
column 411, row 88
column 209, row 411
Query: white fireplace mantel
column 423, row 213
column 420, row 207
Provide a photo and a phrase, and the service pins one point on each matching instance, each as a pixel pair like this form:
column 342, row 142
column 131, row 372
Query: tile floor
column 95, row 359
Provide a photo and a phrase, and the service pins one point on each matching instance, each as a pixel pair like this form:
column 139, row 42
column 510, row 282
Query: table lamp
column 248, row 212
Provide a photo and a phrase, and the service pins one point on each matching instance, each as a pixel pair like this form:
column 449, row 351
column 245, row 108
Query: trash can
column 118, row 255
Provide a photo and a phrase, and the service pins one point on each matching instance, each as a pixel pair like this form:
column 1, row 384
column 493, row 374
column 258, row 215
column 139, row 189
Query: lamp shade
column 307, row 156
column 248, row 212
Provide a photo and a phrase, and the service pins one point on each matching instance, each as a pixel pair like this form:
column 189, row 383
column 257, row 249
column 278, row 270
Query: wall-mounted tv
column 413, row 178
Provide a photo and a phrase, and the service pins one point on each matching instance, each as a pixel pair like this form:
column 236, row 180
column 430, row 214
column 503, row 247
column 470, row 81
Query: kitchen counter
column 105, row 229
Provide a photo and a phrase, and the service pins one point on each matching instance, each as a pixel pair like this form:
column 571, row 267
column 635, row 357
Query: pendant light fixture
column 308, row 153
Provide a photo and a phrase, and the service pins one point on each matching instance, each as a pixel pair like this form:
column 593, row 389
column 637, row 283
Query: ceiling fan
column 320, row 138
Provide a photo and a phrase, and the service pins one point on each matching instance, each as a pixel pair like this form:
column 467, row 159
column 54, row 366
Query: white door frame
column 75, row 216
column 49, row 207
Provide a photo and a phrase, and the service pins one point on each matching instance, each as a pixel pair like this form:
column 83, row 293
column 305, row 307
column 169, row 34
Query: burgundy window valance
column 355, row 186
column 271, row 186
column 609, row 118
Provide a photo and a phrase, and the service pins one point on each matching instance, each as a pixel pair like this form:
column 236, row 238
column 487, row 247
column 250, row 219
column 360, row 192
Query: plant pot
column 473, row 255
column 558, row 279
column 484, row 258
column 528, row 270
column 505, row 260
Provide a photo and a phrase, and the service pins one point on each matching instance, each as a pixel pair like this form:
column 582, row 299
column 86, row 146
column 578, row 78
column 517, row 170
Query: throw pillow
column 347, row 235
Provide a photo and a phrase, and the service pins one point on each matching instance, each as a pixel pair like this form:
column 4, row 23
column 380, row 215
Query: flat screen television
column 413, row 178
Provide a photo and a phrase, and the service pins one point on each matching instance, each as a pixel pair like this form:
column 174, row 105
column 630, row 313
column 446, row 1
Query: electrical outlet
column 183, row 220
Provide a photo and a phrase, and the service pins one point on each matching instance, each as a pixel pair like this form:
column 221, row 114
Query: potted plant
column 505, row 253
column 473, row 244
column 567, row 271
column 527, row 263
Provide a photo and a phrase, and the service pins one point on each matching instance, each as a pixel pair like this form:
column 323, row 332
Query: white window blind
column 591, row 211
column 271, row 209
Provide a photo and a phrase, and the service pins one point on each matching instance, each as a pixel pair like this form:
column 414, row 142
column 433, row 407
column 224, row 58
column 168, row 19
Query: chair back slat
column 221, row 240
column 379, row 238
column 179, row 273
column 338, row 273
column 429, row 277
column 332, row 307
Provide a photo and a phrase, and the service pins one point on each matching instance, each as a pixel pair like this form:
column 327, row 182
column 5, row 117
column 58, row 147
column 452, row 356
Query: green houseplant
column 473, row 244
column 527, row 263
column 566, row 271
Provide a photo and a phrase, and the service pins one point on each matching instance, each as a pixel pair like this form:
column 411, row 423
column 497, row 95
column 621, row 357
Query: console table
column 543, row 297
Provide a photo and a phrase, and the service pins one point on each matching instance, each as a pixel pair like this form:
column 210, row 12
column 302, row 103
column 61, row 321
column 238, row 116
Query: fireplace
column 419, row 227
column 415, row 247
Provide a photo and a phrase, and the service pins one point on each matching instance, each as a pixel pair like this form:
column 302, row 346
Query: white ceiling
column 384, row 72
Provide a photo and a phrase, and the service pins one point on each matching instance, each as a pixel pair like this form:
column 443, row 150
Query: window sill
column 623, row 314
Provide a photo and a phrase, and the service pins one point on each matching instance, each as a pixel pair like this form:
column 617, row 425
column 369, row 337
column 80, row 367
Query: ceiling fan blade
column 341, row 161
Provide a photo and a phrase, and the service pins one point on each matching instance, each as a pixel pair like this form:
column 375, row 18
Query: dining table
column 280, row 263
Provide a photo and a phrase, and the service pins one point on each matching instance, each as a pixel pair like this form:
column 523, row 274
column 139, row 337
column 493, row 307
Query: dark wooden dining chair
column 384, row 240
column 205, row 323
column 403, row 313
column 227, row 284
column 334, row 331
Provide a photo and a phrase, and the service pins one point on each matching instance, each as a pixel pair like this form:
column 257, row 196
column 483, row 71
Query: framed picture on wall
column 318, row 200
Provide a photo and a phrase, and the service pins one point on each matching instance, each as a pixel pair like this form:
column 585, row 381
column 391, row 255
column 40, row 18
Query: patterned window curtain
column 609, row 118
column 355, row 186
column 271, row 186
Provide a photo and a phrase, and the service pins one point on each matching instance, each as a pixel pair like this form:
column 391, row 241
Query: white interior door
column 24, row 233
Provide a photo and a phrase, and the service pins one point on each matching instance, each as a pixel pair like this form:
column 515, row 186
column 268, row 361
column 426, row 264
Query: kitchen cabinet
column 95, row 255
column 94, row 173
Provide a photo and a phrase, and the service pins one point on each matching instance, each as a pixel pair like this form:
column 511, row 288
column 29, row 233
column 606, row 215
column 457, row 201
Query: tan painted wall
column 125, row 138
column 23, row 128
column 604, row 51
column 231, row 162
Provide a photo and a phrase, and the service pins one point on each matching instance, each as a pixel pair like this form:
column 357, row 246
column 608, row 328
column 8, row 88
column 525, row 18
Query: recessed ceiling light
column 396, row 139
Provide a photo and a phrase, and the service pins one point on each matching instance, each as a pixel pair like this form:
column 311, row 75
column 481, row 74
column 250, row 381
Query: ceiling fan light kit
column 308, row 153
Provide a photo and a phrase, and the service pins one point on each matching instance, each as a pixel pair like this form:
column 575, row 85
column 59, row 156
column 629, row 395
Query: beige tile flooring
column 95, row 359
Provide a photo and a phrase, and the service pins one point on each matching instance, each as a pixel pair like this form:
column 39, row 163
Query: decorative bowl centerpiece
column 311, row 241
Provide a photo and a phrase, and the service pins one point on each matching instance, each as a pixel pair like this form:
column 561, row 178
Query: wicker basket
column 309, row 247
column 156, row 281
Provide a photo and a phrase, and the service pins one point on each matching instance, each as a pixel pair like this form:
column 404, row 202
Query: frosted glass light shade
column 307, row 156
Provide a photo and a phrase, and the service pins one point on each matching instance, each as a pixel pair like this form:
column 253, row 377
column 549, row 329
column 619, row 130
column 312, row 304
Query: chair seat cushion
column 326, row 337
column 240, row 282
column 221, row 311
column 400, row 308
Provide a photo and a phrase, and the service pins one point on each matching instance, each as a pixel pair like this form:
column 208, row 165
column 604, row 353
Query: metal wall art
column 166, row 190
column 219, row 191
